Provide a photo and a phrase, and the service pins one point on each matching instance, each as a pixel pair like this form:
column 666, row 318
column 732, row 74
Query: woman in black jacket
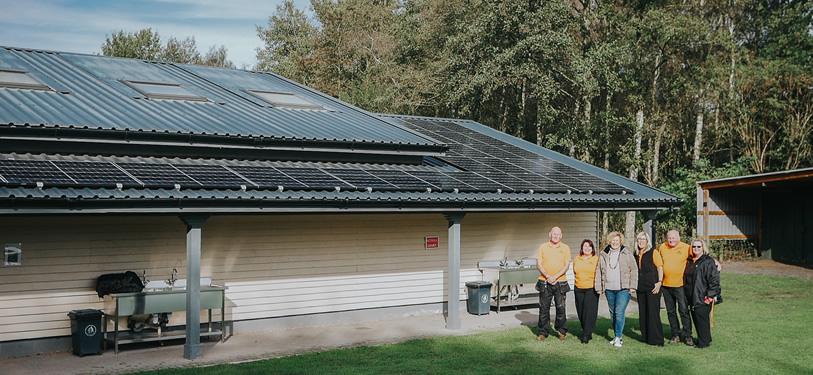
column 650, row 280
column 701, row 282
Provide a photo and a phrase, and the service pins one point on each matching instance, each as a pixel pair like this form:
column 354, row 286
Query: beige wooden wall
column 273, row 265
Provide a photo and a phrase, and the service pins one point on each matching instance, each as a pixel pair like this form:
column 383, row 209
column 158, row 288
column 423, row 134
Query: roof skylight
column 155, row 90
column 18, row 79
column 285, row 100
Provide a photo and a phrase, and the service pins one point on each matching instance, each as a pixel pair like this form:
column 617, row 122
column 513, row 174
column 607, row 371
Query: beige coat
column 626, row 262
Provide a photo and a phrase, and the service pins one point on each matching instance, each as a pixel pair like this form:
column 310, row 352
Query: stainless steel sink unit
column 511, row 274
column 160, row 299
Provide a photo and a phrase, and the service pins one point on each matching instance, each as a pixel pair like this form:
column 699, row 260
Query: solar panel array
column 510, row 165
column 481, row 163
column 95, row 174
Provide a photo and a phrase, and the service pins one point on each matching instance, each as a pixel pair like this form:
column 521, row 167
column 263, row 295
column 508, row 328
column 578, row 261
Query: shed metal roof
column 797, row 177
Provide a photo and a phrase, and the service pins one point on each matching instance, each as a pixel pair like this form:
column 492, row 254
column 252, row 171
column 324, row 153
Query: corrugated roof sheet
column 89, row 92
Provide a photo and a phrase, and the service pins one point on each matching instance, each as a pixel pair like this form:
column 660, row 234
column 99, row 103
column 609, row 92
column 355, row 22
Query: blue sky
column 82, row 25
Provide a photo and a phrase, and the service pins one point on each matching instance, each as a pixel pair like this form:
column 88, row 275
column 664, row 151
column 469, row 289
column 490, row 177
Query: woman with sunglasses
column 701, row 283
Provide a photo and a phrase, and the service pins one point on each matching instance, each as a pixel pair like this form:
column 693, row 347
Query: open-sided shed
column 775, row 210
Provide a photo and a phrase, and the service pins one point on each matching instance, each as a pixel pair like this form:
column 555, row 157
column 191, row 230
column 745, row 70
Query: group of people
column 686, row 276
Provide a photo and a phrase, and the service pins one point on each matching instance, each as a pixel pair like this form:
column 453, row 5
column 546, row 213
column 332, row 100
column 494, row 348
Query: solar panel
column 314, row 178
column 157, row 175
column 360, row 179
column 102, row 174
column 501, row 161
column 30, row 172
column 441, row 181
column 477, row 181
column 267, row 177
column 213, row 176
column 402, row 180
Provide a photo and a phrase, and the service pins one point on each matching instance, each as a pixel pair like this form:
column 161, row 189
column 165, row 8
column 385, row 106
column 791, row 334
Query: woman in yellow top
column 584, row 268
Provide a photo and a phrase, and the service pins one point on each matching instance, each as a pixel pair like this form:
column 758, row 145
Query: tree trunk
column 585, row 124
column 656, row 154
column 698, row 133
column 629, row 227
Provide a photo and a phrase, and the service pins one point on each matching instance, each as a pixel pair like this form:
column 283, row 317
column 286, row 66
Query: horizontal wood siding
column 273, row 265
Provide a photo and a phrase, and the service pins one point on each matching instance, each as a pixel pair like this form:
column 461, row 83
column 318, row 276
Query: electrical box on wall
column 13, row 254
column 431, row 242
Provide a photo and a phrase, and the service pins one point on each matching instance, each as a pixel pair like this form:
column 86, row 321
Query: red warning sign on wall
column 432, row 242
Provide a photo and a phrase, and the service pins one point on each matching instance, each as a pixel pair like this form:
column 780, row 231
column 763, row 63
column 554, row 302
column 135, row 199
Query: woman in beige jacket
column 616, row 277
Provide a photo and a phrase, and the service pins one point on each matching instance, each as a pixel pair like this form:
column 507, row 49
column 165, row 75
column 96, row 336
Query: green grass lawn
column 764, row 327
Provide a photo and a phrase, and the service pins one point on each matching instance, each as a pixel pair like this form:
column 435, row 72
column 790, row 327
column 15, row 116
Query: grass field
column 764, row 327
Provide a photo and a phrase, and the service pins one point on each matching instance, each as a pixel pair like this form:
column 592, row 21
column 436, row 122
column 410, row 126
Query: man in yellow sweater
column 553, row 260
column 675, row 254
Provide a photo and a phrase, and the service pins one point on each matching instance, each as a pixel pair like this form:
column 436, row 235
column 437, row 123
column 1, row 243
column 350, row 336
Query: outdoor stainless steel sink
column 180, row 284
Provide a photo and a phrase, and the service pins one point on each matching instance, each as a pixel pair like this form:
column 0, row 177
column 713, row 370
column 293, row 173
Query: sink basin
column 180, row 284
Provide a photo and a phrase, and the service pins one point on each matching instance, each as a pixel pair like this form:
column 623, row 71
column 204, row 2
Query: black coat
column 705, row 280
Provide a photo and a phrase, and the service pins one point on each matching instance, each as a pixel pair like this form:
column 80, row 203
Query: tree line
column 665, row 92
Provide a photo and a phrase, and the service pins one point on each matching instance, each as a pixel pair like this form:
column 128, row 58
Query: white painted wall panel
column 274, row 266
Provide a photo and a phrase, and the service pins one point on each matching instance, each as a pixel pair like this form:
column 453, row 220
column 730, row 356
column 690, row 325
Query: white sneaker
column 613, row 341
column 618, row 342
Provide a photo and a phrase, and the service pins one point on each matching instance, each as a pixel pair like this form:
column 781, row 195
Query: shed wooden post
column 706, row 215
column 453, row 305
column 192, row 348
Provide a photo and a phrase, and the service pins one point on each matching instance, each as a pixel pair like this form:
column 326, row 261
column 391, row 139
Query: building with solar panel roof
column 297, row 203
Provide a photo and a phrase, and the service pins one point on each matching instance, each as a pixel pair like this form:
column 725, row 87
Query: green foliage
column 146, row 44
column 771, row 310
column 717, row 86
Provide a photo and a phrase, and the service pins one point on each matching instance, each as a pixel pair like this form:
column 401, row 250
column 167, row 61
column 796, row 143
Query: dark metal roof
column 71, row 150
column 89, row 95
column 796, row 177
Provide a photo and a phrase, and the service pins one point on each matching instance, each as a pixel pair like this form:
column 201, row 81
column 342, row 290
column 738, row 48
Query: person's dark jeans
column 676, row 297
column 555, row 293
column 587, row 310
column 702, row 323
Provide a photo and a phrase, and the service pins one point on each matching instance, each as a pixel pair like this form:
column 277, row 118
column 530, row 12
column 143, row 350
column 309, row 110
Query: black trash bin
column 86, row 331
column 479, row 302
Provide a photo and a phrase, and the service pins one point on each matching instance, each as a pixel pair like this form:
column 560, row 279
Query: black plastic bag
column 118, row 283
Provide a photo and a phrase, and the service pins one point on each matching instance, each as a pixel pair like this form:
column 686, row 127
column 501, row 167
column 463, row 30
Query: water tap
column 173, row 277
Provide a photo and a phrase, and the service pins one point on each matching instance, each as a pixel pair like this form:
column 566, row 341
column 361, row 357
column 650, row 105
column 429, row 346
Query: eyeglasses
column 697, row 247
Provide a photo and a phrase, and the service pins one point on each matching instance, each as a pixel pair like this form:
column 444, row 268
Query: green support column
column 192, row 348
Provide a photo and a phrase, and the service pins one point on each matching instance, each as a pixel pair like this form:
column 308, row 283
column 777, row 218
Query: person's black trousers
column 548, row 292
column 649, row 315
column 702, row 323
column 677, row 297
column 587, row 310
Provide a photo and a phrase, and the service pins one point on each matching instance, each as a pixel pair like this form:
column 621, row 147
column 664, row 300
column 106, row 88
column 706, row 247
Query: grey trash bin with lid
column 479, row 302
column 86, row 333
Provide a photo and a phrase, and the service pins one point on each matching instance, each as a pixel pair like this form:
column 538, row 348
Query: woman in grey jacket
column 616, row 277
